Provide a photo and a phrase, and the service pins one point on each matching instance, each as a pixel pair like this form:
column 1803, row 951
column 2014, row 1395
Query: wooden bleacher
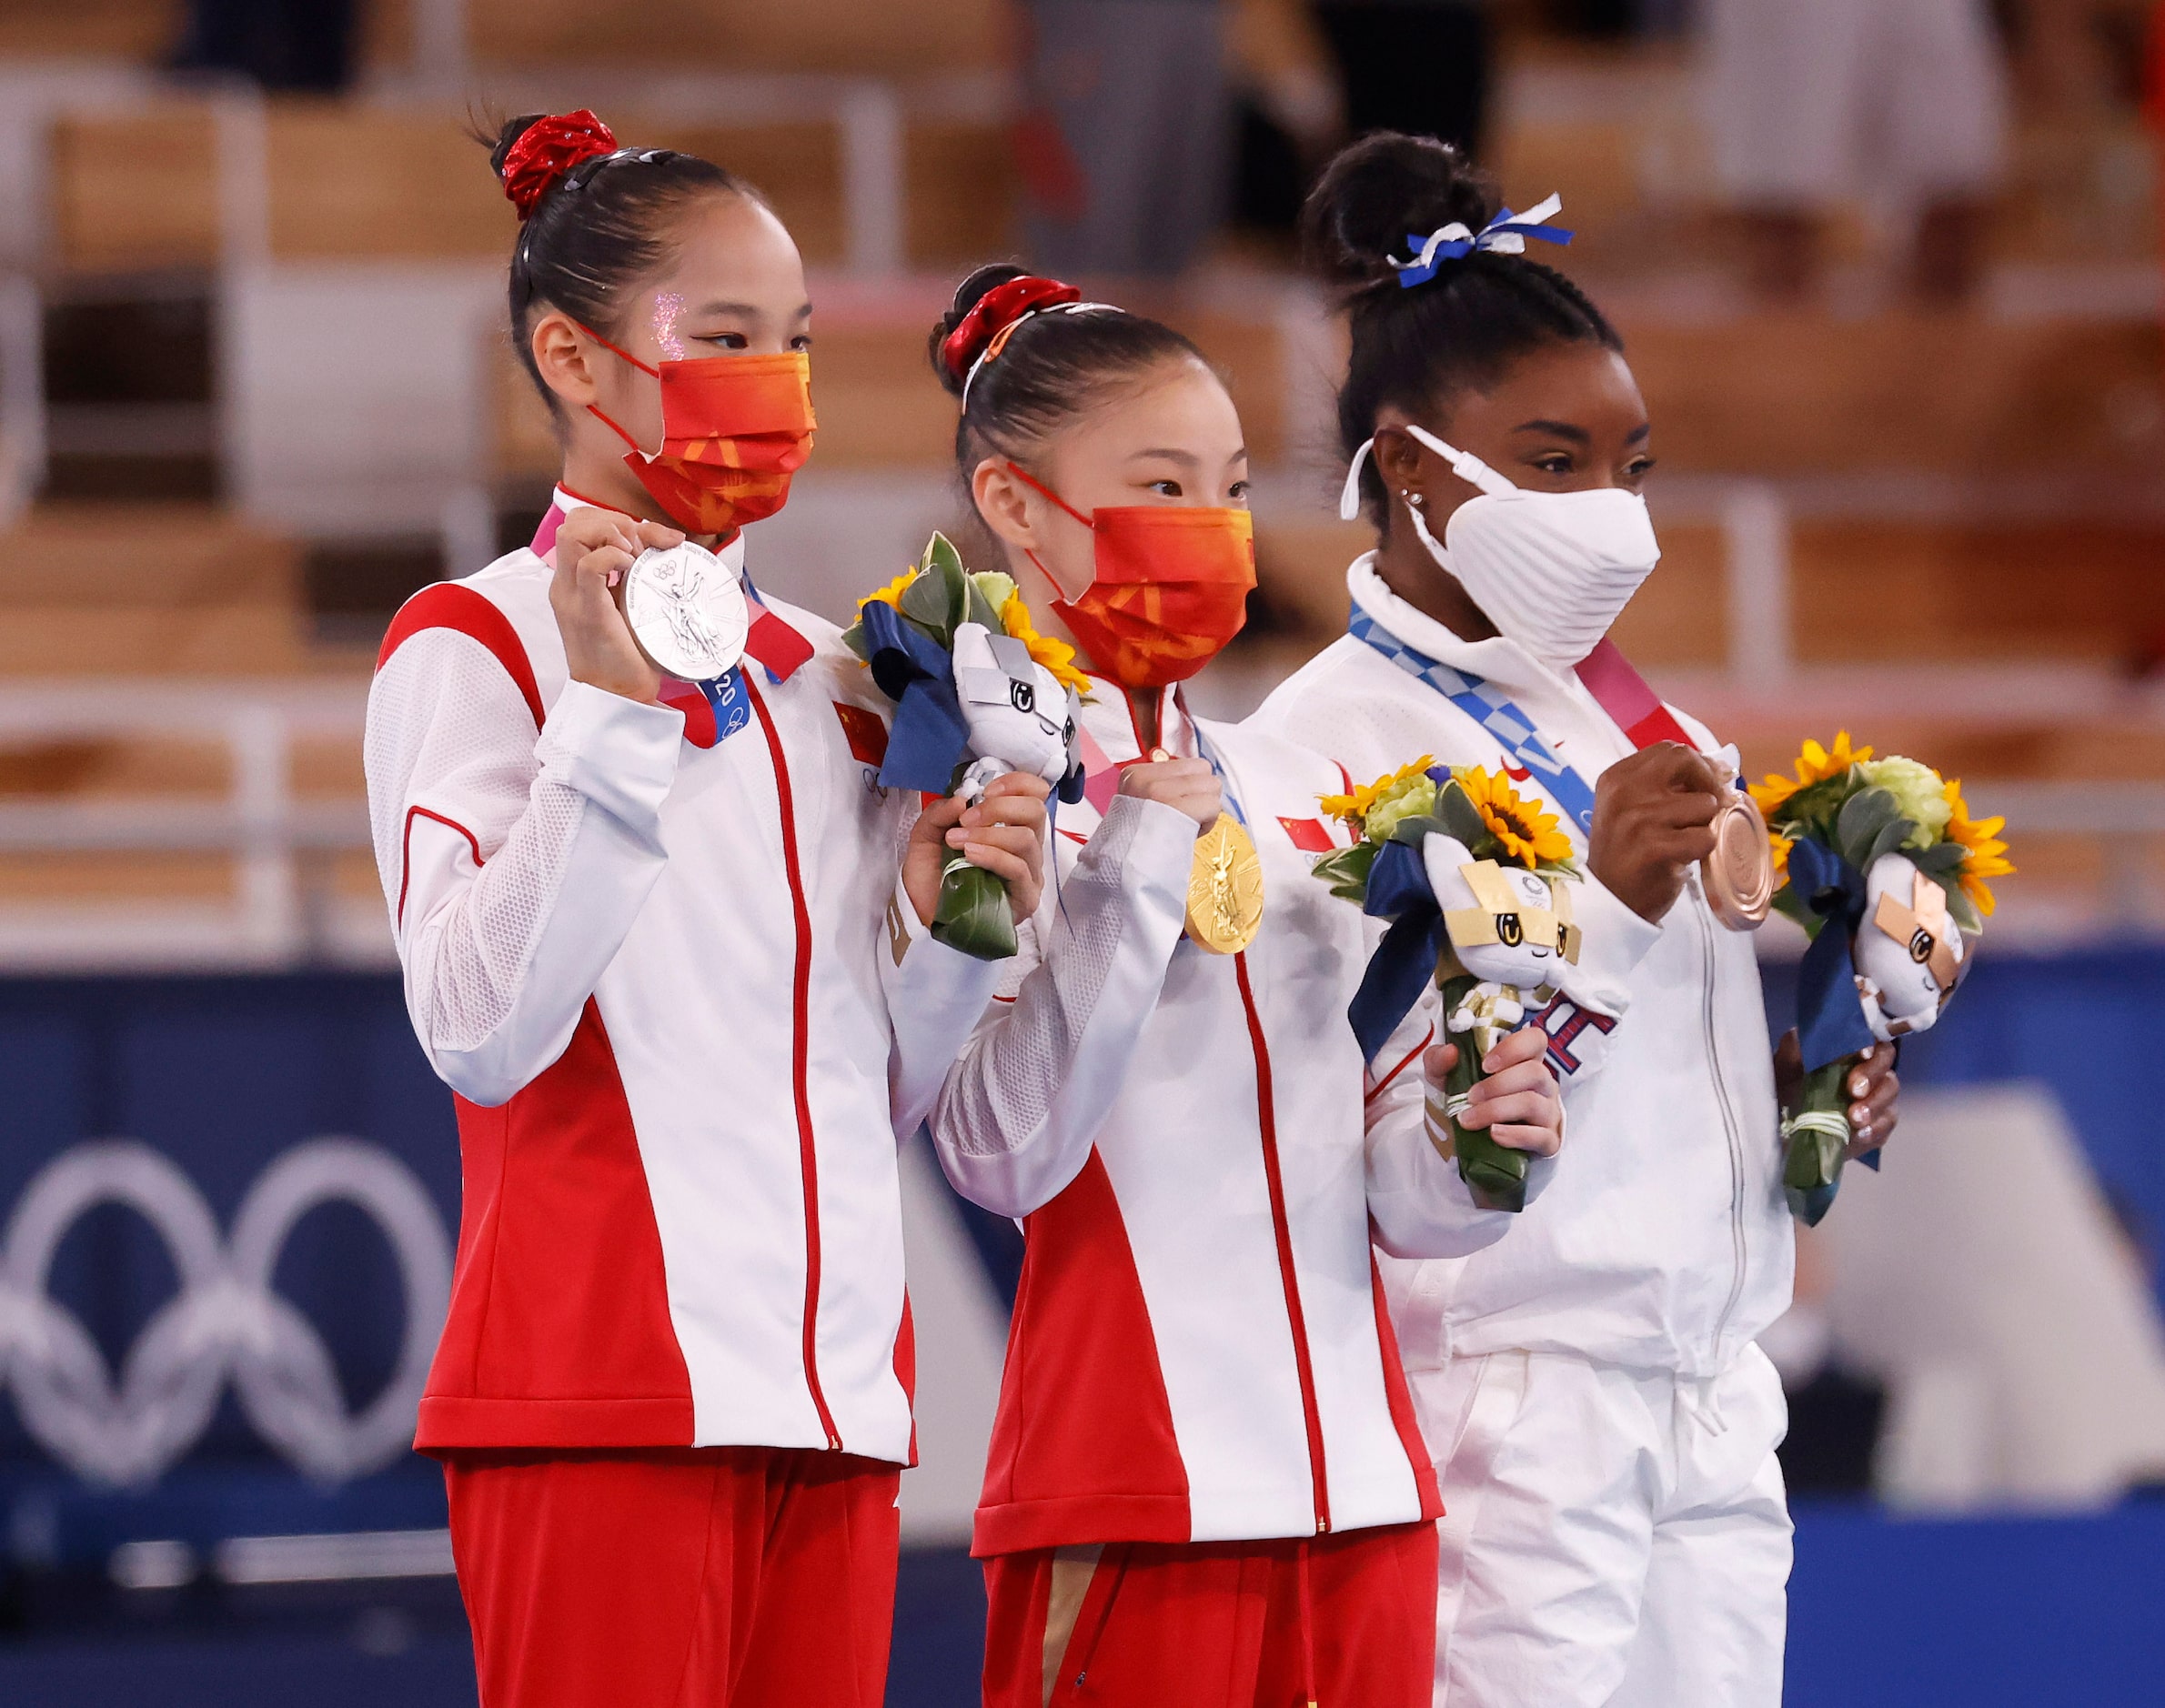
column 140, row 191
column 119, row 590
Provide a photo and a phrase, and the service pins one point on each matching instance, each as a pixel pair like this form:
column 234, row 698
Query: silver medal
column 686, row 610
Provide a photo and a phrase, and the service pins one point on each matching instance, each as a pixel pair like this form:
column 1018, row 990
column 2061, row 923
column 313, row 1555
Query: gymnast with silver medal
column 686, row 610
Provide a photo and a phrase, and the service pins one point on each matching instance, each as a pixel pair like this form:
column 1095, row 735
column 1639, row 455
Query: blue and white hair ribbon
column 1506, row 233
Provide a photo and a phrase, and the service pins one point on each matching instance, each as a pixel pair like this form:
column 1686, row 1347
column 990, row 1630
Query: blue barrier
column 225, row 1077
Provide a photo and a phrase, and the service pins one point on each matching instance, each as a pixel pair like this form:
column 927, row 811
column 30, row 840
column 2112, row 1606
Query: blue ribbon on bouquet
column 1830, row 1023
column 1405, row 960
column 928, row 738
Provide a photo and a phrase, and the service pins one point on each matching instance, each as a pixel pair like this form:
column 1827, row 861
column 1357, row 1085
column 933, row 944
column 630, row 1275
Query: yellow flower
column 1529, row 833
column 891, row 594
column 1780, row 845
column 1816, row 764
column 1984, row 854
column 1352, row 809
column 1054, row 654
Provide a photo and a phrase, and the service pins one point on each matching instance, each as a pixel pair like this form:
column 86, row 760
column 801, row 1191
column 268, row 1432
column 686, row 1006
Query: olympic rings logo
column 226, row 1319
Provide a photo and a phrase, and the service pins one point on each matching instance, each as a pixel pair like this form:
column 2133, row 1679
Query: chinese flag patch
column 1311, row 836
column 866, row 735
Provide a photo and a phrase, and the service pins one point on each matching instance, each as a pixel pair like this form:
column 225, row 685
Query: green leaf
column 1959, row 908
column 1415, row 827
column 977, row 609
column 1461, row 819
column 1863, row 817
column 938, row 598
column 1940, row 860
column 1888, row 841
column 974, row 915
column 1345, row 869
column 853, row 638
column 942, row 558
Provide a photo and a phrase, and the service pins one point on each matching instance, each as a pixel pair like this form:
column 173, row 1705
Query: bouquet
column 1477, row 885
column 1886, row 870
column 977, row 693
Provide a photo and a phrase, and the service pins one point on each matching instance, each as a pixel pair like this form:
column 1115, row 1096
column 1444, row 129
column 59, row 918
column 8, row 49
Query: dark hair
column 1053, row 368
column 1418, row 347
column 597, row 231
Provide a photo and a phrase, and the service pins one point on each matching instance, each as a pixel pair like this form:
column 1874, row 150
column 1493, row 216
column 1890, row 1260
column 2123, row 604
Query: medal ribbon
column 1616, row 687
column 721, row 708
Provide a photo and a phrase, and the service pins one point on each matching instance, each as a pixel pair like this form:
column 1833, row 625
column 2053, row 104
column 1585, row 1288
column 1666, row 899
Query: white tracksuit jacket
column 660, row 973
column 1200, row 1349
column 1662, row 1242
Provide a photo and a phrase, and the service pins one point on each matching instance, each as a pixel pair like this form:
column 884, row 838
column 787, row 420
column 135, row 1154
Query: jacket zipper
column 1728, row 1120
column 799, row 1047
column 1282, row 1230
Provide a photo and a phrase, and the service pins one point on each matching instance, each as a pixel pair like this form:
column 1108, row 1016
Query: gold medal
column 1738, row 874
column 1225, row 888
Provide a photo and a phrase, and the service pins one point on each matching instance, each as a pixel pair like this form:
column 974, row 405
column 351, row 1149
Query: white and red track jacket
column 659, row 976
column 1200, row 1350
column 1662, row 1242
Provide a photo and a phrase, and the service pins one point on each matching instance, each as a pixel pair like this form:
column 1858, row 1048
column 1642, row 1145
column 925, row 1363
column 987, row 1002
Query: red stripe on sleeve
column 448, row 605
column 406, row 843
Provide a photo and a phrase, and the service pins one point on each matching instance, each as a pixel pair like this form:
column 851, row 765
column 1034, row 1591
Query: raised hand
column 1192, row 786
column 594, row 548
column 1653, row 820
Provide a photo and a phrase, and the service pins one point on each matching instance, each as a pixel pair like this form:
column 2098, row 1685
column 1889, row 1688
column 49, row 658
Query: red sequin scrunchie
column 995, row 312
column 546, row 150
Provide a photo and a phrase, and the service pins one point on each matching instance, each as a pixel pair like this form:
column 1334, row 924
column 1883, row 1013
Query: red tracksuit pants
column 1342, row 1622
column 716, row 1577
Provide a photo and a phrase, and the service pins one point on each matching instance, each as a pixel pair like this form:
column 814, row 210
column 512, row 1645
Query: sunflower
column 1352, row 810
column 1054, row 654
column 1816, row 764
column 1984, row 854
column 891, row 594
column 1528, row 833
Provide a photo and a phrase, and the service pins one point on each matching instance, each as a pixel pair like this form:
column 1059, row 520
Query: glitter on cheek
column 667, row 305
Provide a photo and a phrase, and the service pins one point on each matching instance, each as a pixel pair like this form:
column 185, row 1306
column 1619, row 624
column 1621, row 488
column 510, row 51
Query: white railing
column 277, row 917
column 271, row 919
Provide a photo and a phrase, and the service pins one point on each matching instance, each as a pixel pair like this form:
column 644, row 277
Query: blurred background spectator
column 1415, row 65
column 281, row 44
column 1901, row 103
column 254, row 391
column 1125, row 138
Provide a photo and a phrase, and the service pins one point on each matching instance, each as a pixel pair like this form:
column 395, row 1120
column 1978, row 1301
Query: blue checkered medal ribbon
column 1511, row 727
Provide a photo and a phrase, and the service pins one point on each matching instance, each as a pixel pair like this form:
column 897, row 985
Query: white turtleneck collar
column 1497, row 659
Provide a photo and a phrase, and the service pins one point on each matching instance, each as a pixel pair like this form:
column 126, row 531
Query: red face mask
column 734, row 429
column 1171, row 587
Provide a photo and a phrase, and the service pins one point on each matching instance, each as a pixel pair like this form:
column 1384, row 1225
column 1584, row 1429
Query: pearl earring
column 1414, row 500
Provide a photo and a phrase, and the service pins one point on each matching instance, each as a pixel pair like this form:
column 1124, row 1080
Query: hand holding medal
column 1886, row 870
column 1477, row 885
column 1225, row 878
column 596, row 551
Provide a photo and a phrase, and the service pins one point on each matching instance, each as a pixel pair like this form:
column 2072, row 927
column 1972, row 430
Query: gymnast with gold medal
column 1204, row 1467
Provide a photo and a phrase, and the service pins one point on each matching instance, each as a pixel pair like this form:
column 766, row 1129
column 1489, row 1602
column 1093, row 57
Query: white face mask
column 1552, row 570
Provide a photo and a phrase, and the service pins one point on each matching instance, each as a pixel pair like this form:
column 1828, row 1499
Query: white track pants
column 1615, row 1539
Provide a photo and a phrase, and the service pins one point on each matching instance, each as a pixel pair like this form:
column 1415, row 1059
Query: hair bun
column 1382, row 190
column 535, row 151
column 987, row 304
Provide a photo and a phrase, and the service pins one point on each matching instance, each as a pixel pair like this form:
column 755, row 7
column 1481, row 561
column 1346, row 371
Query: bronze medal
column 1738, row 875
column 1225, row 888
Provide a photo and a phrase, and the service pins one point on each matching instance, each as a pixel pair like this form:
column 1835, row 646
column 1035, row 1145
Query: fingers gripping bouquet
column 1885, row 869
column 1477, row 885
column 977, row 693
